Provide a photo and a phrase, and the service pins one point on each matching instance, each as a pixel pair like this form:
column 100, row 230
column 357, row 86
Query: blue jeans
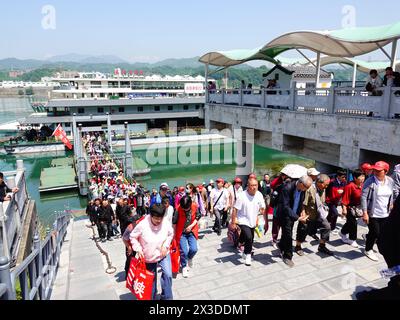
column 166, row 278
column 188, row 247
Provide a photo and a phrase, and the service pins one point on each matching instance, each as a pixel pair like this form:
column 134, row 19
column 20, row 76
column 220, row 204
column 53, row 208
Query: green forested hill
column 187, row 66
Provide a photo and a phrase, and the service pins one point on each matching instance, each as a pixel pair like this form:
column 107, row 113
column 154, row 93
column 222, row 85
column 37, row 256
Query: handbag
column 175, row 256
column 233, row 235
column 356, row 211
column 139, row 280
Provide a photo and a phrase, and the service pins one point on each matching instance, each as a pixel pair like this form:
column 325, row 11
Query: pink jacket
column 149, row 238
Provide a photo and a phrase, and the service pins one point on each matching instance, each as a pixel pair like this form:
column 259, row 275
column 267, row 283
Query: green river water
column 265, row 161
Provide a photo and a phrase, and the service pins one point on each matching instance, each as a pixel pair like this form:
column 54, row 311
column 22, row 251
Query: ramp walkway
column 219, row 272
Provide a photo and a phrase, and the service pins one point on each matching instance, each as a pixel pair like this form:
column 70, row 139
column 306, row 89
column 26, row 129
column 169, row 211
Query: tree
column 29, row 91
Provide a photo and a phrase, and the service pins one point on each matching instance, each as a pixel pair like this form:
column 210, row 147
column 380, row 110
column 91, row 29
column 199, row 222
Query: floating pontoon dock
column 60, row 176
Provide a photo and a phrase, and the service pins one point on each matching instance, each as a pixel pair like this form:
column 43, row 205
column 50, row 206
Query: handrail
column 36, row 274
column 383, row 103
column 12, row 214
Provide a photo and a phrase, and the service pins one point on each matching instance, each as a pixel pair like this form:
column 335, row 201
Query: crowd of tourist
column 153, row 224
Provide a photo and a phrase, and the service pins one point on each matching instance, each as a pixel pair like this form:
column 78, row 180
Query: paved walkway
column 219, row 272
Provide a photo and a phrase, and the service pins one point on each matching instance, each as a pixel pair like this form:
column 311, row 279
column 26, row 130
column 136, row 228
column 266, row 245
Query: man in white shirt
column 374, row 81
column 248, row 206
column 234, row 190
column 219, row 201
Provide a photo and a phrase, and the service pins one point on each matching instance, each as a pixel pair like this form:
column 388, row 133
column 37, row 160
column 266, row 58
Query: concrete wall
column 342, row 141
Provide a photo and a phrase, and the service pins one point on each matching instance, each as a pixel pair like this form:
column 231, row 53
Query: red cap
column 181, row 189
column 366, row 166
column 381, row 165
column 220, row 180
column 238, row 180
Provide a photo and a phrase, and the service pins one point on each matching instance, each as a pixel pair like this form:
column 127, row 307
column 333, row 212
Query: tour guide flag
column 60, row 133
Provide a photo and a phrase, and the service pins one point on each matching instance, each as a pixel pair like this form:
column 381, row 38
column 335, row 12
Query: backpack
column 274, row 197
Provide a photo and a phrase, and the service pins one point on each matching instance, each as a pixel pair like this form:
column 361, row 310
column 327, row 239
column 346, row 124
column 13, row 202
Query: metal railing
column 384, row 103
column 12, row 212
column 34, row 277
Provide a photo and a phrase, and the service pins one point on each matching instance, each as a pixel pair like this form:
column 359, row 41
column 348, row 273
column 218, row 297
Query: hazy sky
column 152, row 30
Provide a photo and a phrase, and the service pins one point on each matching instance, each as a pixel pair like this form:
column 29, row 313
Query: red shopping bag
column 139, row 280
column 175, row 257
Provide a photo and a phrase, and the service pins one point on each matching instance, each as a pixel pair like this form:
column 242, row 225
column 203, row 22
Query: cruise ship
column 93, row 98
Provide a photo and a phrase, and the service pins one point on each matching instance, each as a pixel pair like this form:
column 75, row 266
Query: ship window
column 100, row 110
column 81, row 110
column 185, row 107
column 121, row 109
column 67, row 124
column 156, row 108
column 101, row 95
column 140, row 109
column 170, row 108
column 197, row 107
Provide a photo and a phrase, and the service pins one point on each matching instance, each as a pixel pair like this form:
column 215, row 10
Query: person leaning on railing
column 374, row 81
column 5, row 190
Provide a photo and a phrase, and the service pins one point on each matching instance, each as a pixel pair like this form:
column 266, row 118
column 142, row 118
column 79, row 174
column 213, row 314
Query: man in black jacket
column 289, row 208
column 123, row 212
column 391, row 79
column 91, row 213
column 4, row 189
column 106, row 216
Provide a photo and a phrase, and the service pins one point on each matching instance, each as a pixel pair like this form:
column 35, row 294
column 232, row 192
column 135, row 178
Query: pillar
column 349, row 157
column 74, row 133
column 5, row 244
column 20, row 165
column 5, row 278
column 82, row 166
column 109, row 130
column 318, row 73
column 394, row 54
column 128, row 153
column 277, row 139
column 354, row 75
column 244, row 151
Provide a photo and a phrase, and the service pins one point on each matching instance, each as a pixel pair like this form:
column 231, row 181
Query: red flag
column 136, row 72
column 124, row 72
column 60, row 133
column 141, row 71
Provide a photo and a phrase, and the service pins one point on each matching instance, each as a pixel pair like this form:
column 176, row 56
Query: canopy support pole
column 206, row 81
column 354, row 75
column 310, row 61
column 384, row 51
column 318, row 73
column 305, row 57
column 226, row 78
column 394, row 54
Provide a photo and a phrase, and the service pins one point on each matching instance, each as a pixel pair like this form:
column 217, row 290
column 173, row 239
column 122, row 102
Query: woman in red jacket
column 351, row 205
column 186, row 219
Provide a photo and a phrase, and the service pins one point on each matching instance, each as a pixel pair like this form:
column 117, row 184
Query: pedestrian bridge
column 340, row 127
